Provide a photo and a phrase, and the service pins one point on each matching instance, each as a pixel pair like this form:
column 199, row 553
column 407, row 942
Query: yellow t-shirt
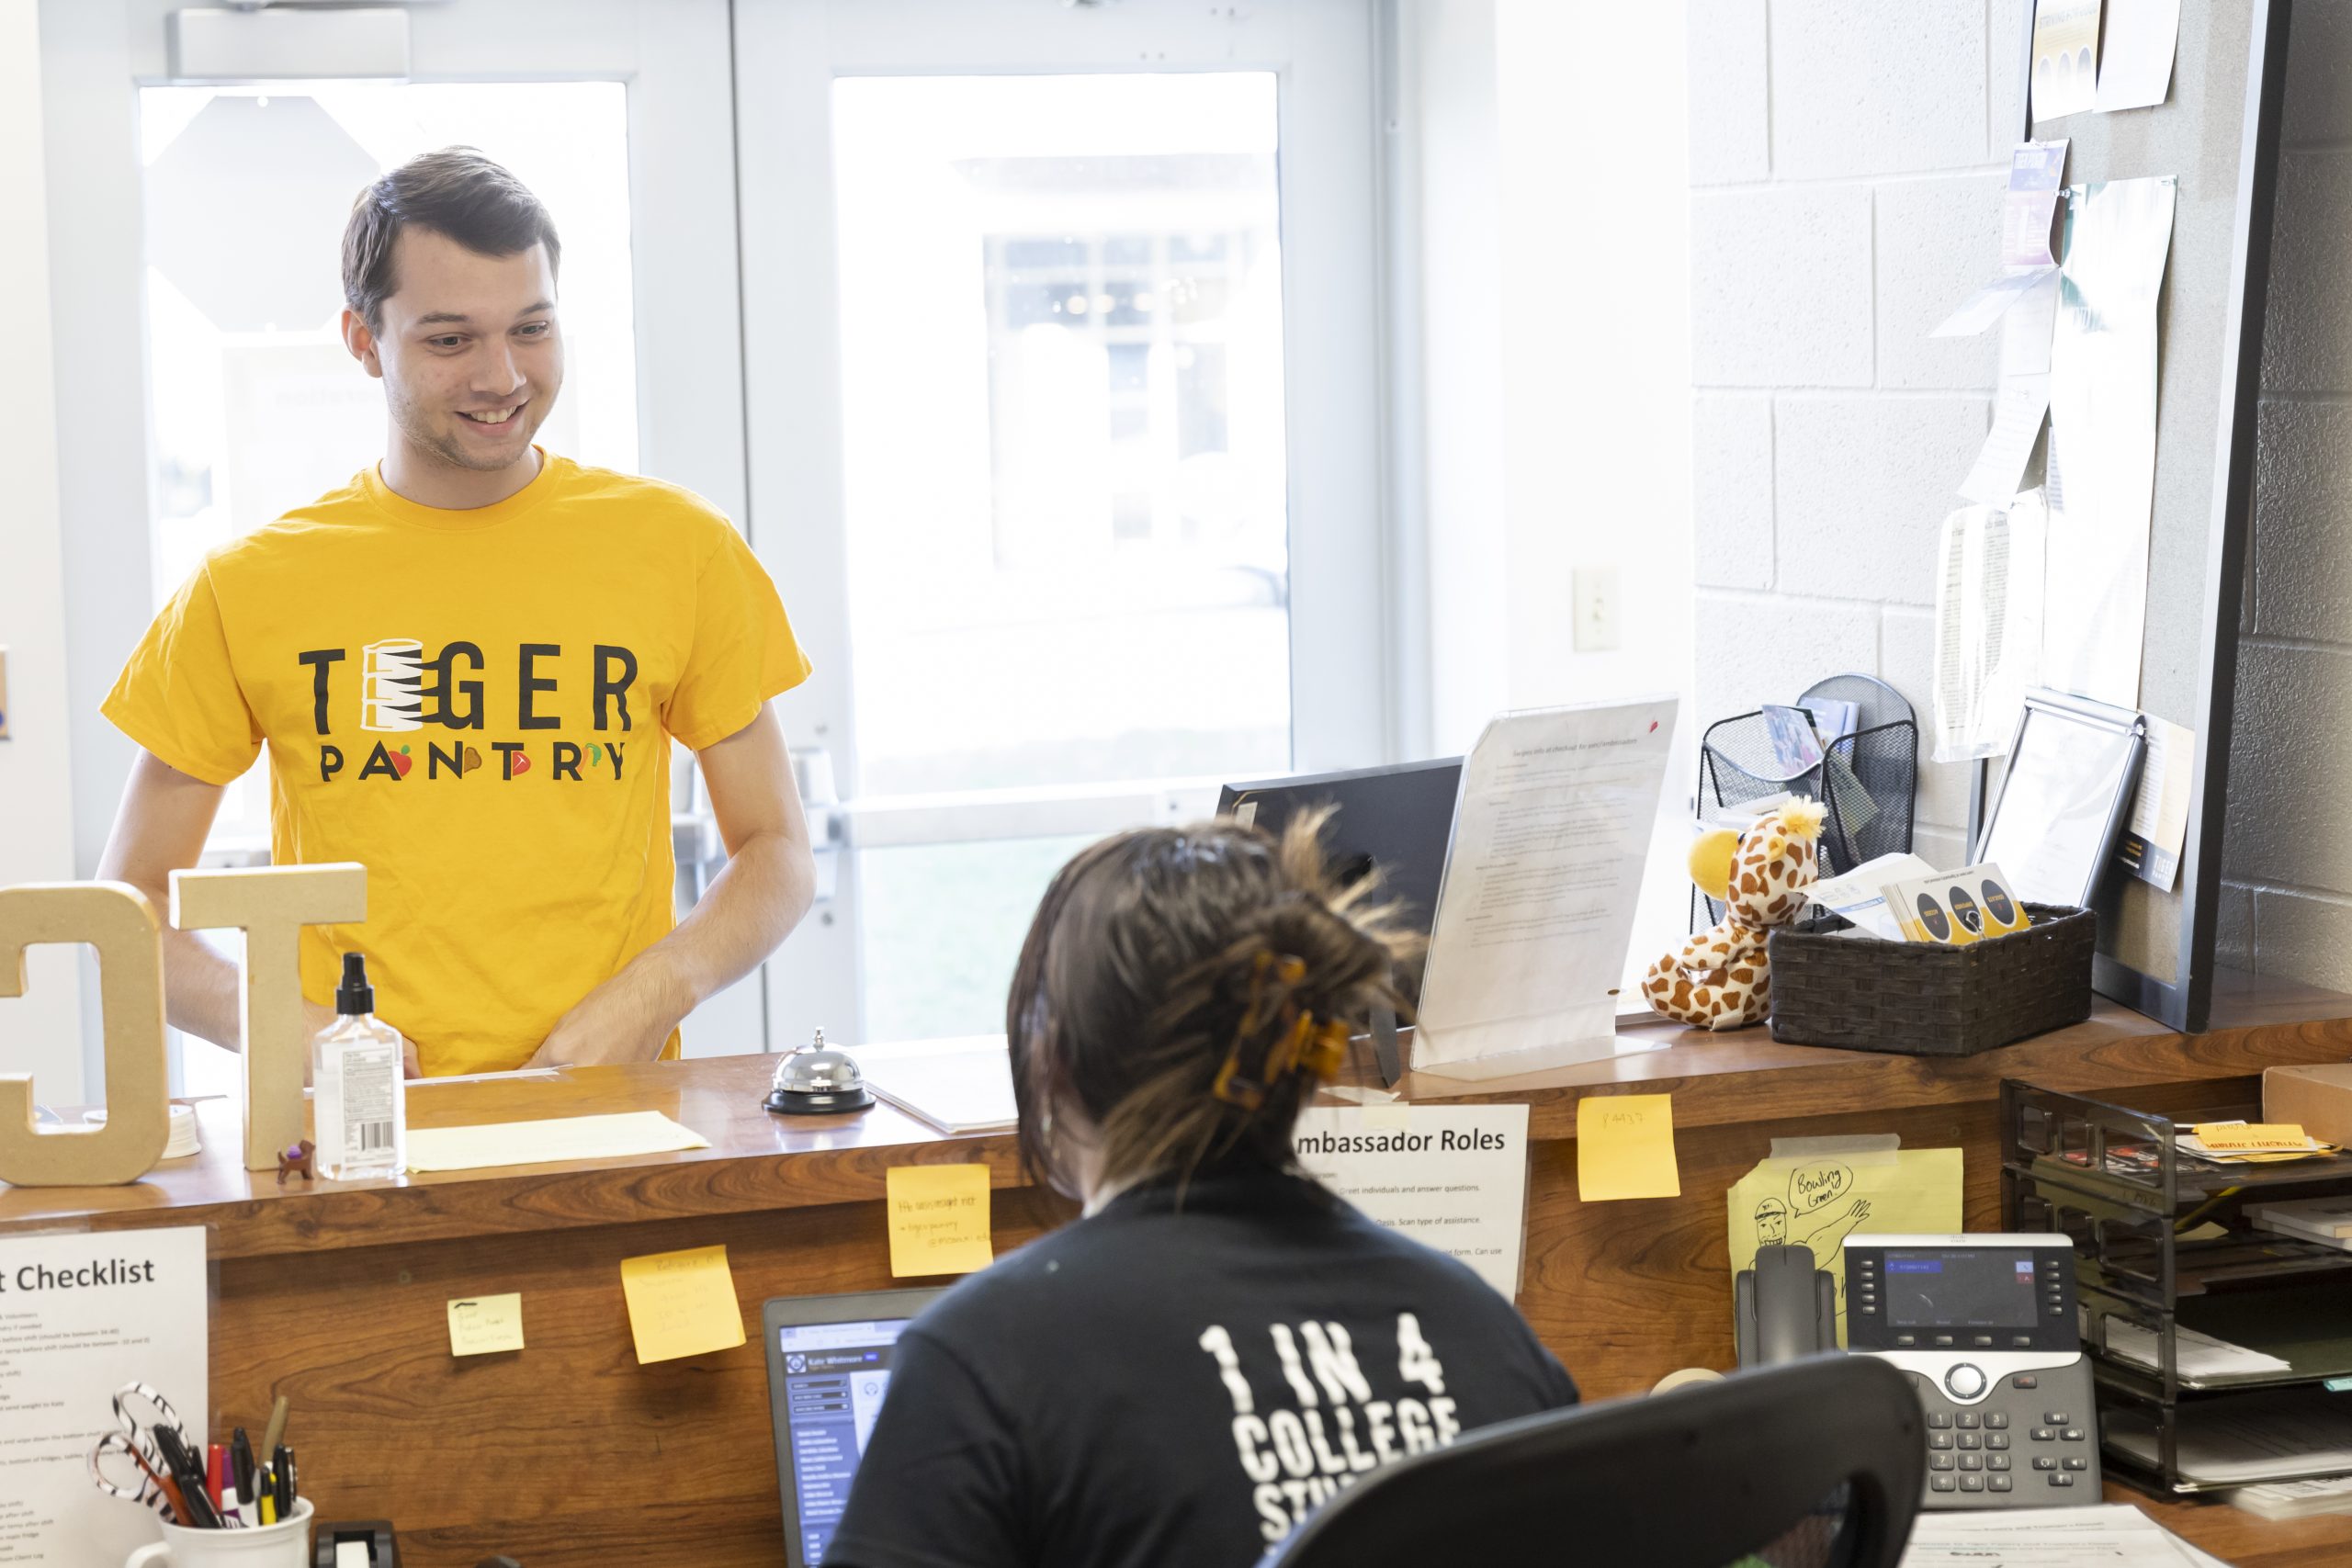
column 476, row 706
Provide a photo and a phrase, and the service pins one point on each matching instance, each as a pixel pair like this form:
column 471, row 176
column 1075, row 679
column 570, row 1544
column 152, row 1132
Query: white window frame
column 1322, row 53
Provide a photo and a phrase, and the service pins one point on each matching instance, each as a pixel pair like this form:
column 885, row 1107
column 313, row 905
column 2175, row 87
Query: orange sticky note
column 2253, row 1137
column 939, row 1219
column 1625, row 1147
column 681, row 1303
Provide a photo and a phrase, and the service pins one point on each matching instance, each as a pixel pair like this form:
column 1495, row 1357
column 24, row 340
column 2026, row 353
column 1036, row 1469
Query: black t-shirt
column 1178, row 1385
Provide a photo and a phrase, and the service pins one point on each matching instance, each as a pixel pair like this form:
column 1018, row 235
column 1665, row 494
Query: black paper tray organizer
column 1869, row 782
column 2165, row 1254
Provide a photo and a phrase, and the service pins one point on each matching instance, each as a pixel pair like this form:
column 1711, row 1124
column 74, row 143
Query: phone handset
column 1785, row 1307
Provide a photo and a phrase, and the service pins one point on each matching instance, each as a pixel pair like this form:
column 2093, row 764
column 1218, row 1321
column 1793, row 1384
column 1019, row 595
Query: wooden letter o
column 117, row 920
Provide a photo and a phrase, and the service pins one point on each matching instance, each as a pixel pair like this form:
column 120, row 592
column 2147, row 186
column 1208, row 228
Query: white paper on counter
column 1536, row 911
column 1450, row 1176
column 136, row 1309
column 2100, row 1535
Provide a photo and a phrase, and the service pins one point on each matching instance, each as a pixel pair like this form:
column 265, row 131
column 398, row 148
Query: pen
column 241, row 1461
column 281, row 1470
column 273, row 1437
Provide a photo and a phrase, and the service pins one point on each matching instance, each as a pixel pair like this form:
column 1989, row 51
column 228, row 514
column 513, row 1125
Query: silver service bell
column 817, row 1080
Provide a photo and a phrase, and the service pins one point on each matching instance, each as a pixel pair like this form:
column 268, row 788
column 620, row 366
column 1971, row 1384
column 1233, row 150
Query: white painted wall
column 1555, row 355
column 39, row 1031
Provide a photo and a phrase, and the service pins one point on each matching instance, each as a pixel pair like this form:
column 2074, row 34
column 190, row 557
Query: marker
column 268, row 1510
column 241, row 1464
column 281, row 1471
column 217, row 1481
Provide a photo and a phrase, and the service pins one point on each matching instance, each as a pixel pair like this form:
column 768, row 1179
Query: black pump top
column 354, row 996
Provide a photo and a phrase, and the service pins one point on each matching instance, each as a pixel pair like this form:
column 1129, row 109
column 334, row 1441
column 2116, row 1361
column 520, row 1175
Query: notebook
column 957, row 1086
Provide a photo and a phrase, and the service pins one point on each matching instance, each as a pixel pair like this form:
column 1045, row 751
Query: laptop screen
column 834, row 1378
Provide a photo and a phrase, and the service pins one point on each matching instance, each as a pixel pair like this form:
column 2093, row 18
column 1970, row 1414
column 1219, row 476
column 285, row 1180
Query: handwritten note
column 480, row 1324
column 1817, row 1199
column 939, row 1219
column 681, row 1303
column 2253, row 1137
column 1625, row 1147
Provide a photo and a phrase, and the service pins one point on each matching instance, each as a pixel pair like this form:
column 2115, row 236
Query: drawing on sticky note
column 1818, row 1201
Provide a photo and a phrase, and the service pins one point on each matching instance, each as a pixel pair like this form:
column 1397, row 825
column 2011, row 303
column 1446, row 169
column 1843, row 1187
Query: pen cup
column 286, row 1544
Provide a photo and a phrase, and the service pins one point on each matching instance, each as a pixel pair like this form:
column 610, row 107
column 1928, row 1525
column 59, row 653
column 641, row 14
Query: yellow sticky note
column 681, row 1303
column 939, row 1219
column 2253, row 1137
column 1625, row 1147
column 479, row 1325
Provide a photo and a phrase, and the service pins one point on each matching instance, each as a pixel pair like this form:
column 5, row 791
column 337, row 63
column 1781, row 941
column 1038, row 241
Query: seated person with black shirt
column 1220, row 1344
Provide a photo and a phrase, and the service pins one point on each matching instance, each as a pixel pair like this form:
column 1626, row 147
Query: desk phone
column 1986, row 1327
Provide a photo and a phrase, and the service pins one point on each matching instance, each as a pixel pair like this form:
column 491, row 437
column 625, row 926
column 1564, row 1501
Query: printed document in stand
column 1541, row 882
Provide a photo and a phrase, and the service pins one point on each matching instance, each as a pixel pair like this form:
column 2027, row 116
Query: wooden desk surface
column 335, row 1293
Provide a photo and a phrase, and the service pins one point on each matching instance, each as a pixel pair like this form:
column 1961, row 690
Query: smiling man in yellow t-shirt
column 468, row 665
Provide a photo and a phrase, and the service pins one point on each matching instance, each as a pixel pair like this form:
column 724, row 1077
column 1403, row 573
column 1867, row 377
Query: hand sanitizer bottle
column 360, row 1098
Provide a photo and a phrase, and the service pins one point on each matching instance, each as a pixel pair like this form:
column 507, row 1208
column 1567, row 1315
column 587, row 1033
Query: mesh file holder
column 1869, row 782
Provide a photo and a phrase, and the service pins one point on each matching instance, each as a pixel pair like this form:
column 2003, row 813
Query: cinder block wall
column 1846, row 166
column 1847, row 159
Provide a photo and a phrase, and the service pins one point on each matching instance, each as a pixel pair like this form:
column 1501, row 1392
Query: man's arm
column 767, row 885
column 158, row 830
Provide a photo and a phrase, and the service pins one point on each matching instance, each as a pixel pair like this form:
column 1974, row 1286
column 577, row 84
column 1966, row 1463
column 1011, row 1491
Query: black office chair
column 1811, row 1464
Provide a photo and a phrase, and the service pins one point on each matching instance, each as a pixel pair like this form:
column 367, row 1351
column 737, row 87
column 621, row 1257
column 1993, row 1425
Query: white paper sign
column 1451, row 1177
column 80, row 1316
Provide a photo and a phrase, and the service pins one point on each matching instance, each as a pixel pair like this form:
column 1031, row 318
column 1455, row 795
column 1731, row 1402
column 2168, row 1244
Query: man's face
column 468, row 348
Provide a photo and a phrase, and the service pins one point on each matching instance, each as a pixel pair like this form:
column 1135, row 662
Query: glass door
column 1060, row 328
column 615, row 112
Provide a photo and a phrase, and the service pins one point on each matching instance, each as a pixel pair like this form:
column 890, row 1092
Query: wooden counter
column 569, row 1451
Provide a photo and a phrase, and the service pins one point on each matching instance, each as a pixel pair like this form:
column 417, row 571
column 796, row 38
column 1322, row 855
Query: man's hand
column 748, row 910
column 627, row 1019
column 318, row 1018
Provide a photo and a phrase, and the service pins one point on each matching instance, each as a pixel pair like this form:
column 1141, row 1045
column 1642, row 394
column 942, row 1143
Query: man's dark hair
column 456, row 192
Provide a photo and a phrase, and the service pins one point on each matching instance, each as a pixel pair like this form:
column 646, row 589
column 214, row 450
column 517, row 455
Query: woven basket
column 1916, row 999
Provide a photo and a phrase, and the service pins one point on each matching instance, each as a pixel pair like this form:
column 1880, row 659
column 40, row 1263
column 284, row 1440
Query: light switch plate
column 1596, row 609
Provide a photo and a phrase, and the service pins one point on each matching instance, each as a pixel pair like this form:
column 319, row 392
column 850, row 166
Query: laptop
column 828, row 1363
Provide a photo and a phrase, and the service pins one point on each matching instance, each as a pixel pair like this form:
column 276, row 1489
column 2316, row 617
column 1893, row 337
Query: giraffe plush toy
column 1722, row 979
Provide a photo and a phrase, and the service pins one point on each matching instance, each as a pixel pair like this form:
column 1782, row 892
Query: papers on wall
column 2135, row 56
column 2245, row 1436
column 2103, row 409
column 1990, row 595
column 1859, row 896
column 2160, row 809
column 85, row 1315
column 1453, row 1177
column 960, row 1087
column 1820, row 1199
column 1987, row 305
column 2103, row 1534
column 2195, row 1355
column 2066, row 57
column 2029, row 206
column 1536, row 910
column 492, row 1144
